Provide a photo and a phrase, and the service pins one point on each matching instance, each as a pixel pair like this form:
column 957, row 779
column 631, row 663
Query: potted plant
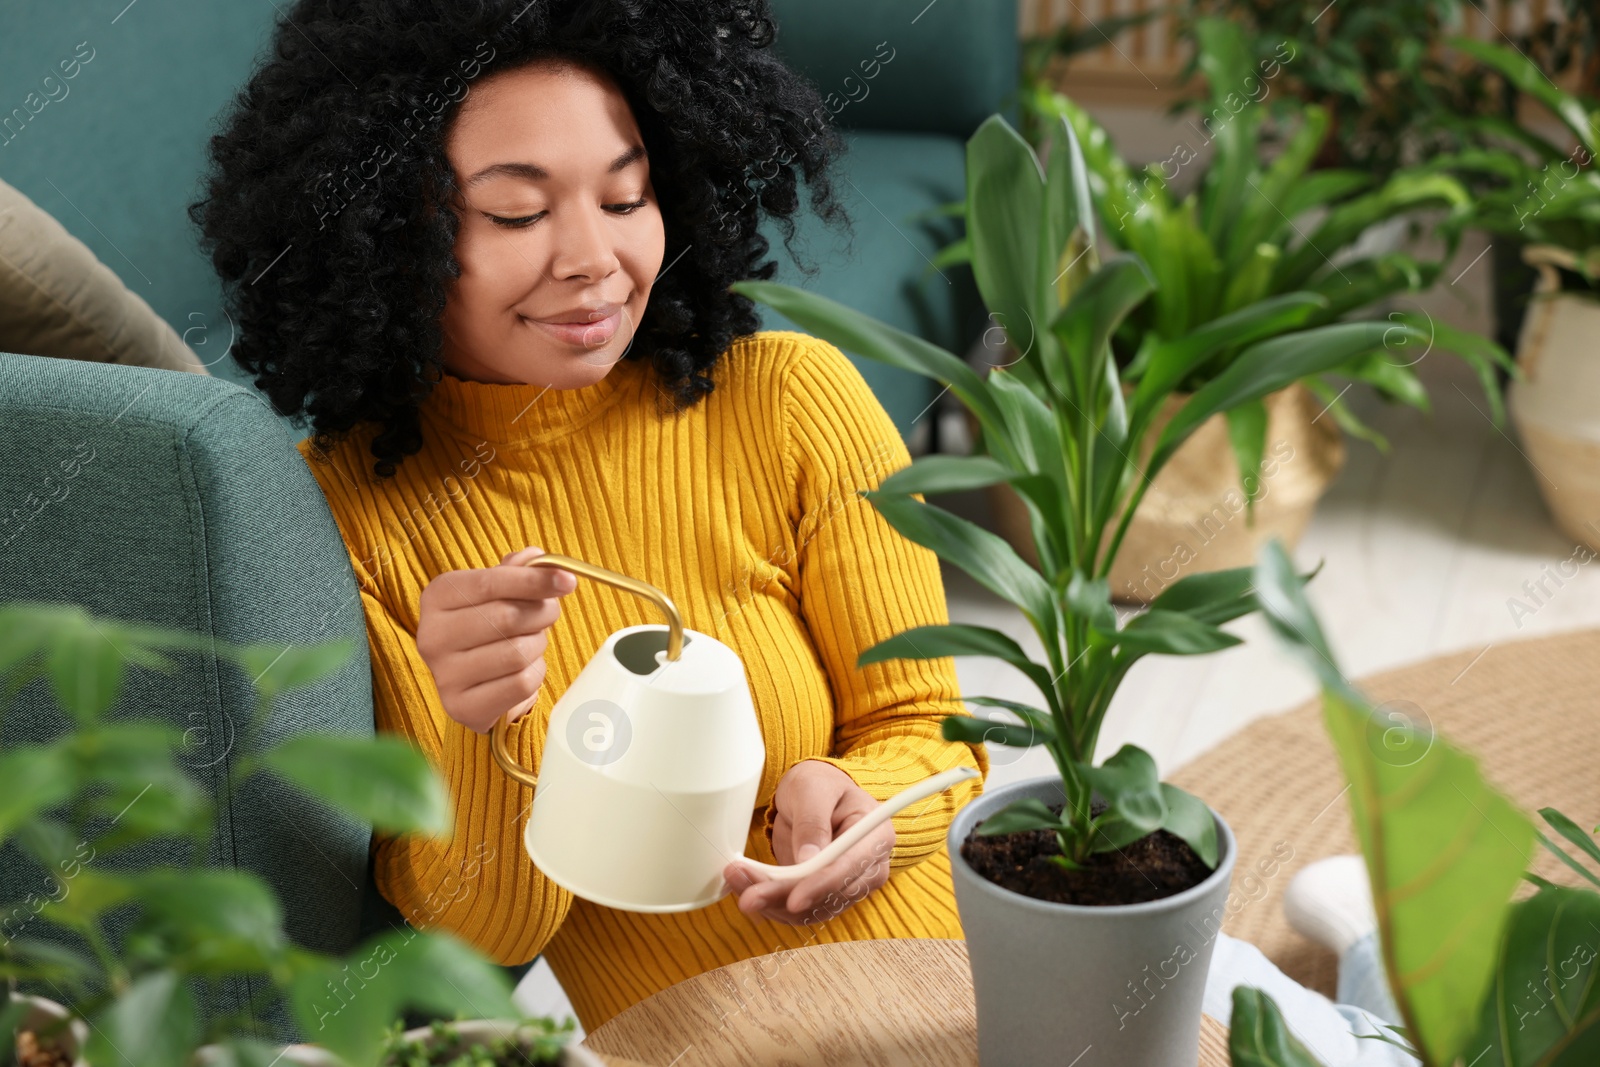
column 487, row 1043
column 1478, row 978
column 1369, row 64
column 132, row 946
column 1253, row 236
column 1551, row 204
column 1054, row 957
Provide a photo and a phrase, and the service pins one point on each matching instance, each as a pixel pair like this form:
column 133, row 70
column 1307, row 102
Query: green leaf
column 1321, row 187
column 1172, row 634
column 1068, row 213
column 1172, row 361
column 275, row 668
column 1224, row 57
column 1131, row 788
column 1280, row 594
column 1030, row 814
column 1090, row 600
column 1572, row 832
column 1247, row 433
column 246, row 1052
column 1190, row 819
column 987, row 557
column 1561, row 854
column 153, row 1021
column 1212, row 597
column 85, row 667
column 937, row 473
column 37, row 778
column 976, row 731
column 214, row 922
column 1544, row 1004
column 958, row 639
column 1261, row 221
column 1086, row 324
column 1336, row 409
column 381, row 779
column 1528, row 77
column 1486, row 357
column 1394, row 380
column 347, row 1008
column 1258, row 1036
column 1444, row 851
column 1405, row 191
column 1265, row 368
column 1005, row 215
column 1039, row 721
column 46, row 960
column 90, row 895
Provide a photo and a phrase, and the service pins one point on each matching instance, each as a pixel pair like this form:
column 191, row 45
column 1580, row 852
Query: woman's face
column 560, row 235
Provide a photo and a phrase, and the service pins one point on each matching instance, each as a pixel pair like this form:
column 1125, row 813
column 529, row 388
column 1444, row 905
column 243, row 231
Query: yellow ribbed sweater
column 743, row 509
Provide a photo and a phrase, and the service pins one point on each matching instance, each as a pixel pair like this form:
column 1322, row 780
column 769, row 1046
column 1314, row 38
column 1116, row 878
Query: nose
column 583, row 245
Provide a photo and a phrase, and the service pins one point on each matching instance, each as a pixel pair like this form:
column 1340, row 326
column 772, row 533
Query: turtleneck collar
column 527, row 414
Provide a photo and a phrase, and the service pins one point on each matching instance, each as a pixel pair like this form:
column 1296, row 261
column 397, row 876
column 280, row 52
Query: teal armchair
column 908, row 82
column 178, row 500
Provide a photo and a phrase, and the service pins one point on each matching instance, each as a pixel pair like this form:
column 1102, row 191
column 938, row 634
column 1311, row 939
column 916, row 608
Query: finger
column 810, row 806
column 463, row 589
column 861, row 869
column 480, row 706
column 496, row 621
column 497, row 659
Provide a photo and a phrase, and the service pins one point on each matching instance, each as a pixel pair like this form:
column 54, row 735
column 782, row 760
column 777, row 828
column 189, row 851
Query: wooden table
column 890, row 1003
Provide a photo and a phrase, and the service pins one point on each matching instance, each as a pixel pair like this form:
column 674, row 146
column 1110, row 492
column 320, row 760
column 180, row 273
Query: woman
column 485, row 248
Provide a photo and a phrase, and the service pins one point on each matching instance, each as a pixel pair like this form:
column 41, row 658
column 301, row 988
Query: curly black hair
column 326, row 209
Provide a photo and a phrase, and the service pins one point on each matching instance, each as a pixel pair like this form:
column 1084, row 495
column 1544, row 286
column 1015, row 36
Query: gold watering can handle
column 497, row 736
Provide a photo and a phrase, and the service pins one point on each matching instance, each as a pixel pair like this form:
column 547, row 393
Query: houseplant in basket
column 1547, row 196
column 1055, row 958
column 1254, row 234
column 133, row 947
column 1479, row 979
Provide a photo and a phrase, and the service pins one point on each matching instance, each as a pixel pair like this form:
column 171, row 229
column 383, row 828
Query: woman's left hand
column 816, row 802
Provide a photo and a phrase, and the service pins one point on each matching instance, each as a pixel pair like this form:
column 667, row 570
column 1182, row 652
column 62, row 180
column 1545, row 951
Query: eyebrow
column 534, row 172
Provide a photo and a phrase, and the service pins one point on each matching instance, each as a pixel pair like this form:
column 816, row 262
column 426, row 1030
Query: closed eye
column 528, row 220
column 513, row 224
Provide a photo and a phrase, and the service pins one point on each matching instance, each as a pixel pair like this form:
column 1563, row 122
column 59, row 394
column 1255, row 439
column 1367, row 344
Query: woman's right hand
column 482, row 634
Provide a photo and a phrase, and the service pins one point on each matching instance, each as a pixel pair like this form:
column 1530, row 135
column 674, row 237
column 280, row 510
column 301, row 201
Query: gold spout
column 497, row 736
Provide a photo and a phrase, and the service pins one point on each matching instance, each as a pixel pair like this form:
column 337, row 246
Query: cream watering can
column 652, row 759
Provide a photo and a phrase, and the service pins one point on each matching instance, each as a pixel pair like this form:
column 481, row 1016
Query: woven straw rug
column 1526, row 709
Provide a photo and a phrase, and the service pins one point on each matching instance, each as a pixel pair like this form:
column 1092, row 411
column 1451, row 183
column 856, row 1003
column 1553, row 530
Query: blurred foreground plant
column 110, row 784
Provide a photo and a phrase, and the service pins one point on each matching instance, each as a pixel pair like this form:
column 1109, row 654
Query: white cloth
column 1328, row 1030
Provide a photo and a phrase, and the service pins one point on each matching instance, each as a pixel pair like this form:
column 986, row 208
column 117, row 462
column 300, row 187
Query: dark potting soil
column 1151, row 868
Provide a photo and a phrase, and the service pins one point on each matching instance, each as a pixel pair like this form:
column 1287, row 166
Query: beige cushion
column 57, row 299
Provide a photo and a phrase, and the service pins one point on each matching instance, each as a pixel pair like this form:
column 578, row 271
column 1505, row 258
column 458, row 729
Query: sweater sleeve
column 477, row 882
column 861, row 582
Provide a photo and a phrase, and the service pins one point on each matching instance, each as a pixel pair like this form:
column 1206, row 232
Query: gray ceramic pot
column 1091, row 987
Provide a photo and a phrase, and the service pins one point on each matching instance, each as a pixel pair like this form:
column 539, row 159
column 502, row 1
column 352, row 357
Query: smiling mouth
column 586, row 335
